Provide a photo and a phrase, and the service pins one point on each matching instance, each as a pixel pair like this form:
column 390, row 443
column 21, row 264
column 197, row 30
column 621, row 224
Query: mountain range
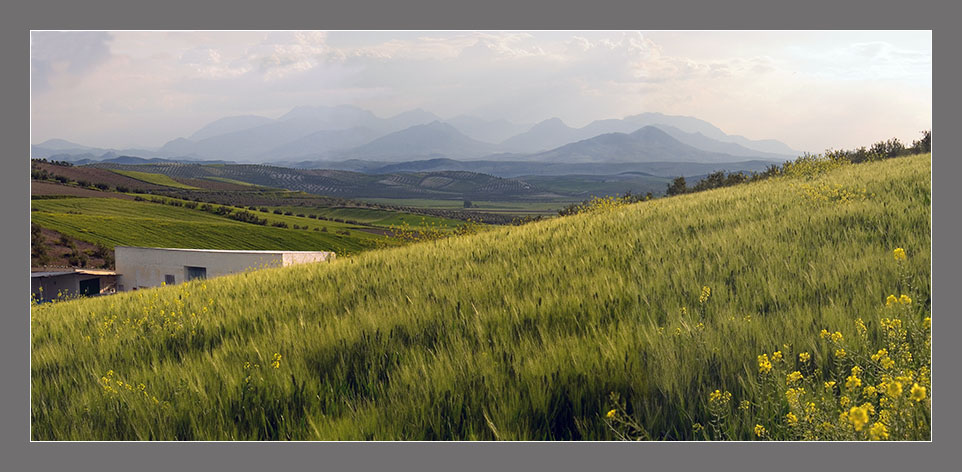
column 322, row 135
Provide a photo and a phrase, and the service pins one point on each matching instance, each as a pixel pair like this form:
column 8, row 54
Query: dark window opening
column 196, row 272
column 169, row 279
column 90, row 287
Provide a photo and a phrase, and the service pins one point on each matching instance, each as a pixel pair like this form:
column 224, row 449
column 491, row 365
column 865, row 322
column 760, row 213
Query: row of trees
column 878, row 151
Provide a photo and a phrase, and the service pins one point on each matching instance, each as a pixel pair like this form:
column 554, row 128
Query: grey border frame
column 20, row 18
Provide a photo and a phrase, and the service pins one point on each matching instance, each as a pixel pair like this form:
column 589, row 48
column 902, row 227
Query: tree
column 924, row 145
column 38, row 246
column 677, row 187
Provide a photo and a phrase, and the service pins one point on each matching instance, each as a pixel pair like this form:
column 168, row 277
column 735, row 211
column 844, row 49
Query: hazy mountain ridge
column 345, row 132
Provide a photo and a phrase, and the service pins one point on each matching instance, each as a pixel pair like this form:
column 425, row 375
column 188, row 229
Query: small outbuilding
column 49, row 285
column 143, row 267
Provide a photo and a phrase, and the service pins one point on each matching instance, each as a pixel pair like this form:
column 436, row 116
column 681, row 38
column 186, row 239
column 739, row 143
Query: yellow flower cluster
column 825, row 193
column 705, row 294
column 764, row 365
column 902, row 299
column 719, row 397
column 917, row 393
column 108, row 383
column 277, row 361
column 885, row 396
column 791, row 418
column 859, row 416
column 610, row 414
column 878, row 431
column 792, row 378
column 899, row 254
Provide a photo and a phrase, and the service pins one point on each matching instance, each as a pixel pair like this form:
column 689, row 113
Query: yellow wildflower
column 853, row 382
column 840, row 353
column 858, row 416
column 843, row 402
column 869, row 392
column 878, row 431
column 899, row 254
column 894, row 389
column 777, row 356
column 610, row 414
column 792, row 419
column 829, row 385
column 719, row 397
column 705, row 294
column 880, row 354
column 905, row 300
column 793, row 377
column 837, row 336
column 891, row 299
column 927, row 322
column 917, row 393
column 804, row 357
column 764, row 366
column 860, row 327
column 744, row 405
column 760, row 431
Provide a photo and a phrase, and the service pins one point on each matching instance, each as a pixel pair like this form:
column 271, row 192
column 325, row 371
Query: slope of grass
column 375, row 217
column 114, row 222
column 156, row 179
column 514, row 333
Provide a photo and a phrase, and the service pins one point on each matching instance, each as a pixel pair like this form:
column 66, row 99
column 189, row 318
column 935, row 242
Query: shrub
column 677, row 187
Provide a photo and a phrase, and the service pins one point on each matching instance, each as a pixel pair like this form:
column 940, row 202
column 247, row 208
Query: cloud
column 55, row 54
column 759, row 84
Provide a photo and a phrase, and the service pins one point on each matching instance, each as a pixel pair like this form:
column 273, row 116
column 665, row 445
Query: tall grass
column 517, row 333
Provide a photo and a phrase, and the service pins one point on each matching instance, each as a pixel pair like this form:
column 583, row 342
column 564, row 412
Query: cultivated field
column 114, row 222
column 758, row 311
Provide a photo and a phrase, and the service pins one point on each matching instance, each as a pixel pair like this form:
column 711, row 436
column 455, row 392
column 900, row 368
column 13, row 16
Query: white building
column 142, row 267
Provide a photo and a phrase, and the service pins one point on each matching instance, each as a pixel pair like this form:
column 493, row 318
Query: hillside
column 344, row 184
column 514, row 333
column 113, row 222
column 648, row 144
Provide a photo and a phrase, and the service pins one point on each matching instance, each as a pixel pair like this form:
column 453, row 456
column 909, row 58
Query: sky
column 812, row 90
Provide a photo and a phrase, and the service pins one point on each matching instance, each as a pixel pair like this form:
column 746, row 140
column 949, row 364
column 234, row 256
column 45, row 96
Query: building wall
column 63, row 285
column 68, row 285
column 292, row 258
column 146, row 267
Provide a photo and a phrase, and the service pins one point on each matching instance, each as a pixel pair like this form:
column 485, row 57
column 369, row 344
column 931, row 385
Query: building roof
column 72, row 272
column 232, row 251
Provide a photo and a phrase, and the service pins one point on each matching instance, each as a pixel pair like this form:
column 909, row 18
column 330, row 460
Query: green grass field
column 114, row 222
column 525, row 332
column 515, row 207
column 156, row 179
column 383, row 218
column 229, row 181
